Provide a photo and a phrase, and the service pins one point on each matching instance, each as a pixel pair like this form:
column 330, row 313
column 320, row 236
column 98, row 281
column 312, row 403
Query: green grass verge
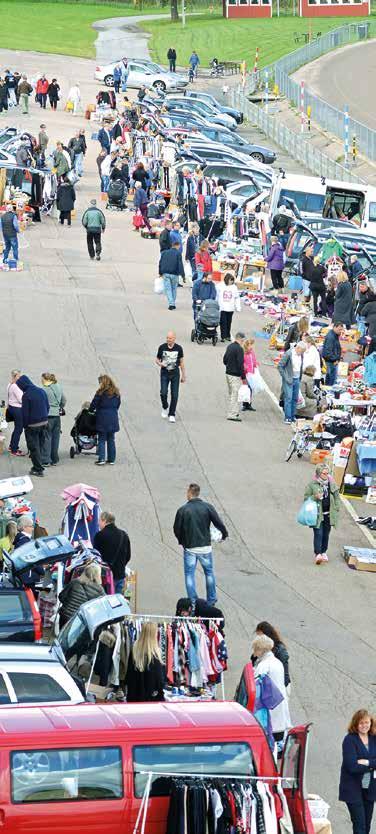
column 233, row 40
column 64, row 28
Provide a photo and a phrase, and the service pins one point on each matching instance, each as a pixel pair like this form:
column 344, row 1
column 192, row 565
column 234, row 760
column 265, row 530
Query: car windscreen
column 13, row 609
column 313, row 203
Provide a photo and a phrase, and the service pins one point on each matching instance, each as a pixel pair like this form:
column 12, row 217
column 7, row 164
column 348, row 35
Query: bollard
column 354, row 149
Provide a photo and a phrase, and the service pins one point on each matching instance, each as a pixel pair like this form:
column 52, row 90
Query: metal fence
column 324, row 114
column 296, row 145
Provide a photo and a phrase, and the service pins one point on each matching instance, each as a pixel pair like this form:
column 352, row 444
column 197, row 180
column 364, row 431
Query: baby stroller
column 206, row 323
column 84, row 433
column 116, row 194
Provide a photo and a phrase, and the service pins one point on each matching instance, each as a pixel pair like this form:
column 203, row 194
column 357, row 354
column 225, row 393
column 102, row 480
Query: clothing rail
column 171, row 617
column 235, row 776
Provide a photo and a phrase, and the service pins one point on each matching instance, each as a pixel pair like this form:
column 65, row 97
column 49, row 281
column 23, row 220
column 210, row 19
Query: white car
column 143, row 75
column 35, row 674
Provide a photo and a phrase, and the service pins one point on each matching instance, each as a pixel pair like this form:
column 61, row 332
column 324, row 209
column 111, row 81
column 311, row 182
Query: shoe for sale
column 172, row 419
column 164, row 413
column 100, row 463
column 318, row 559
column 324, row 557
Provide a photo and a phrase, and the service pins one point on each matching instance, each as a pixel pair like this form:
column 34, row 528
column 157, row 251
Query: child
column 250, row 365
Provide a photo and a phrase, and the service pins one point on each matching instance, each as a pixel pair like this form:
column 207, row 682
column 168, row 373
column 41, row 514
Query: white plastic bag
column 244, row 395
column 158, row 285
column 215, row 534
column 301, row 400
column 256, row 382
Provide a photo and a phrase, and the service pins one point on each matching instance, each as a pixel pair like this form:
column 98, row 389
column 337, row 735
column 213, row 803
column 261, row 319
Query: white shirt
column 311, row 357
column 228, row 297
column 106, row 166
column 270, row 665
column 296, row 363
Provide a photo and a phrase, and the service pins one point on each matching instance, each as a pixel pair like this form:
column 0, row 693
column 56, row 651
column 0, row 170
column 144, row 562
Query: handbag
column 308, row 513
column 295, row 283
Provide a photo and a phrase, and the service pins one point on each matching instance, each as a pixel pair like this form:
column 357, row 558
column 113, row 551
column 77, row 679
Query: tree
column 174, row 10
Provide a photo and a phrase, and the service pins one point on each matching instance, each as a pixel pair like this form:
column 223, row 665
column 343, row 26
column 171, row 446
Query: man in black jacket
column 192, row 530
column 331, row 352
column 164, row 237
column 115, row 548
column 171, row 55
column 234, row 363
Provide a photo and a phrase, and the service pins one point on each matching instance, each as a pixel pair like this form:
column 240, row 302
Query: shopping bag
column 301, row 401
column 295, row 283
column 244, row 395
column 215, row 534
column 137, row 220
column 69, row 106
column 158, row 285
column 256, row 382
column 308, row 513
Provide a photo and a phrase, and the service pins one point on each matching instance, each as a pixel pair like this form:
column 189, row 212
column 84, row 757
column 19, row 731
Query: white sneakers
column 164, row 413
column 172, row 419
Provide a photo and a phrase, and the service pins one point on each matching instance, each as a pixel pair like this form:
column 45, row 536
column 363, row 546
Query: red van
column 76, row 769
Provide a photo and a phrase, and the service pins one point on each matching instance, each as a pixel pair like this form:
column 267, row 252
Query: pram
column 116, row 194
column 206, row 322
column 83, row 433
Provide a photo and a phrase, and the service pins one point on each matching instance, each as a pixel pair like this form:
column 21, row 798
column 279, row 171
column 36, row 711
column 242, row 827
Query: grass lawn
column 64, row 28
column 233, row 40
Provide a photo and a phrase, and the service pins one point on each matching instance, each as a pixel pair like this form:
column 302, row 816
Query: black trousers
column 361, row 814
column 94, row 238
column 53, row 103
column 35, row 443
column 225, row 324
column 117, row 86
column 277, row 280
column 65, row 215
column 316, row 294
column 172, row 64
column 172, row 380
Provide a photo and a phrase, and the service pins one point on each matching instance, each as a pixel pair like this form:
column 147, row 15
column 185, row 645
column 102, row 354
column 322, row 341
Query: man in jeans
column 192, row 530
column 170, row 267
column 291, row 369
column 332, row 352
column 234, row 363
column 35, row 407
column 10, row 229
column 170, row 359
column 94, row 222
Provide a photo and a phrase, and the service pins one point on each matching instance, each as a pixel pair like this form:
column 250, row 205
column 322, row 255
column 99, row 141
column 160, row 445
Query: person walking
column 192, row 528
column 14, row 411
column 57, row 401
column 42, row 145
column 117, row 78
column 94, row 222
column 146, row 675
column 229, row 300
column 234, row 364
column 343, row 301
column 165, row 236
column 318, row 287
column 323, row 489
column 332, row 352
column 35, row 408
column 357, row 786
column 105, row 135
column 74, row 97
column 170, row 267
column 24, row 89
column 275, row 260
column 62, row 166
column 250, row 365
column 78, row 591
column 194, row 62
column 114, row 546
column 42, row 90
column 141, row 202
column 53, row 93
column 3, row 95
column 105, row 405
column 171, row 56
column 65, row 200
column 191, row 247
column 10, row 229
column 203, row 260
column 290, row 368
column 76, row 153
column 170, row 360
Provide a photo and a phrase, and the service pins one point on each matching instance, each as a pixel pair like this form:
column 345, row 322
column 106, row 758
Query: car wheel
column 109, row 80
column 258, row 156
column 160, row 86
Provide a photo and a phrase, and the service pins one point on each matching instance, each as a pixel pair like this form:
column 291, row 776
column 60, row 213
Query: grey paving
column 78, row 319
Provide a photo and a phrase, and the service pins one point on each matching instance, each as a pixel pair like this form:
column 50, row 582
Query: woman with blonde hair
column 250, row 365
column 57, row 401
column 105, row 405
column 77, row 591
column 145, row 677
column 14, row 413
column 268, row 664
column 343, row 301
column 7, row 541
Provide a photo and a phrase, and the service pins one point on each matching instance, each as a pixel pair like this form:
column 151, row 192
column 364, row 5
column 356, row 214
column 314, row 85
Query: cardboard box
column 362, row 563
column 338, row 475
column 321, row 456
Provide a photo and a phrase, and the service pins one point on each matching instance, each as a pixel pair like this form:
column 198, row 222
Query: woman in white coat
column 229, row 300
column 312, row 358
column 268, row 664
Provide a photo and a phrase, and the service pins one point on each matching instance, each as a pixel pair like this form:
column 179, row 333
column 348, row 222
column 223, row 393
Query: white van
column 331, row 198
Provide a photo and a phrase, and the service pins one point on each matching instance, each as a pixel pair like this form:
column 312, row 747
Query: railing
column 328, row 117
column 296, row 145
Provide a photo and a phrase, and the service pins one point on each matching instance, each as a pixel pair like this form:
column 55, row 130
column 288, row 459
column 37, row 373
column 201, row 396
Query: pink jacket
column 250, row 362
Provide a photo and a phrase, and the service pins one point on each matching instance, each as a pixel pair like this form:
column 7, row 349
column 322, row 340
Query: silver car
column 35, row 674
column 143, row 75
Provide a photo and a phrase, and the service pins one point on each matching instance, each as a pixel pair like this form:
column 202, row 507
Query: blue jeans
column 206, row 562
column 16, row 413
column 321, row 536
column 78, row 164
column 361, row 815
column 11, row 243
column 170, row 287
column 119, row 586
column 109, row 438
column 105, row 181
column 331, row 373
column 290, row 398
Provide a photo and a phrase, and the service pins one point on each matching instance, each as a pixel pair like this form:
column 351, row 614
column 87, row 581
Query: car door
column 246, row 689
column 293, row 766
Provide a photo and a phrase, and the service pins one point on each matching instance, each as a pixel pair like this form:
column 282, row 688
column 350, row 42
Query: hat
column 93, row 202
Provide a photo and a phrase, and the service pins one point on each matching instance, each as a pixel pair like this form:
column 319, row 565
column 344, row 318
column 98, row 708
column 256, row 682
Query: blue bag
column 308, row 513
column 295, row 283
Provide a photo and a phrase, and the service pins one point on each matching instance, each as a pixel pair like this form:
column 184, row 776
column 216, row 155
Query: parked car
column 20, row 620
column 140, row 76
column 240, row 192
column 236, row 142
column 204, row 109
column 36, row 675
column 197, row 94
column 212, row 155
column 7, row 156
column 7, row 133
column 228, row 173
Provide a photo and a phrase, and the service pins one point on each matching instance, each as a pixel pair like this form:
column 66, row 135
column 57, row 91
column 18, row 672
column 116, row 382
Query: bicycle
column 302, row 439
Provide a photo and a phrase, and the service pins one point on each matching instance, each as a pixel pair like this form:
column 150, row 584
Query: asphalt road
column 66, row 314
column 346, row 76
